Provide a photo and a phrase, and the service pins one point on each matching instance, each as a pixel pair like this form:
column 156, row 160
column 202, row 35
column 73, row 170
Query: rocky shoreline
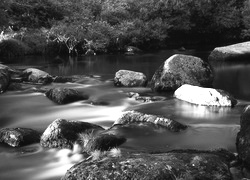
column 101, row 158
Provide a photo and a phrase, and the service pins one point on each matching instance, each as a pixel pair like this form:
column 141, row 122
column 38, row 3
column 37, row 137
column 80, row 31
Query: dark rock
column 62, row 79
column 167, row 166
column 36, row 76
column 232, row 52
column 4, row 78
column 129, row 79
column 104, row 142
column 62, row 95
column 137, row 117
column 17, row 137
column 243, row 138
column 204, row 96
column 63, row 134
column 182, row 69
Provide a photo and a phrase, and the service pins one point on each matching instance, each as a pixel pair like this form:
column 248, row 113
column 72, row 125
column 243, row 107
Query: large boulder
column 243, row 138
column 36, row 76
column 132, row 117
column 182, row 69
column 232, row 52
column 63, row 134
column 61, row 95
column 129, row 78
column 4, row 78
column 168, row 166
column 17, row 137
column 204, row 96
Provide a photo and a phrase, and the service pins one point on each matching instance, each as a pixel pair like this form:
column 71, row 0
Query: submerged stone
column 240, row 51
column 128, row 78
column 62, row 95
column 63, row 134
column 131, row 117
column 204, row 96
column 182, row 69
column 17, row 137
column 167, row 166
column 4, row 79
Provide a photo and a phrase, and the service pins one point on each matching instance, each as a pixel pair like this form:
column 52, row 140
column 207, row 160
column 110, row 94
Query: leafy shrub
column 12, row 48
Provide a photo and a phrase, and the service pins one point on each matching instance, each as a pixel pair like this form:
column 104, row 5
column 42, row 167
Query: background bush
column 111, row 25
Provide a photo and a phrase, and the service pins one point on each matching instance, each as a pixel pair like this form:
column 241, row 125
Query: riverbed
column 209, row 127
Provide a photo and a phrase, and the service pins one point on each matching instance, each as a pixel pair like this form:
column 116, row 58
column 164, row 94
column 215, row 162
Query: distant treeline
column 110, row 25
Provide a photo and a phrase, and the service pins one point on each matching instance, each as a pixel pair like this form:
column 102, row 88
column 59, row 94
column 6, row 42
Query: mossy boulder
column 36, row 76
column 61, row 95
column 128, row 78
column 134, row 117
column 167, row 166
column 17, row 137
column 182, row 69
column 204, row 96
column 239, row 51
column 63, row 134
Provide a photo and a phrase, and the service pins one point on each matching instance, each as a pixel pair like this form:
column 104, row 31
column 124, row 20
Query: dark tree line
column 110, row 25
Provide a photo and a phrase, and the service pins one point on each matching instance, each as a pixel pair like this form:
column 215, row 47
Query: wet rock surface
column 36, row 76
column 204, row 96
column 62, row 95
column 243, row 138
column 4, row 78
column 182, row 69
column 132, row 117
column 63, row 134
column 17, row 137
column 172, row 165
column 240, row 51
column 128, row 78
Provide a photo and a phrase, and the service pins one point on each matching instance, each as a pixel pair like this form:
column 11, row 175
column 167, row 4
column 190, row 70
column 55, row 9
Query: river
column 210, row 127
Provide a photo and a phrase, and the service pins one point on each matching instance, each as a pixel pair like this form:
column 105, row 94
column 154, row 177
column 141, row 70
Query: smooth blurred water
column 209, row 127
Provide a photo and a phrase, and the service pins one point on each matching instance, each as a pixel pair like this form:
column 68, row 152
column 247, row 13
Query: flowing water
column 209, row 127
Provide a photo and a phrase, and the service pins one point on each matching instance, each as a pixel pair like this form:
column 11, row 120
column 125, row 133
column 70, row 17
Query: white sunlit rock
column 204, row 96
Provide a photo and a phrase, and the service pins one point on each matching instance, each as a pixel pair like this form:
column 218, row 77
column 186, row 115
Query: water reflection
column 234, row 78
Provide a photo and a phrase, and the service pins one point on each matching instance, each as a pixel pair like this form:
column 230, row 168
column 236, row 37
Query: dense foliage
column 111, row 25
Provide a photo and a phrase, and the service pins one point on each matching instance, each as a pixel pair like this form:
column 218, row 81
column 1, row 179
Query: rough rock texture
column 204, row 96
column 182, row 69
column 62, row 133
column 62, row 95
column 232, row 52
column 167, row 166
column 243, row 138
column 145, row 99
column 137, row 117
column 104, row 142
column 17, row 137
column 36, row 76
column 4, row 78
column 129, row 79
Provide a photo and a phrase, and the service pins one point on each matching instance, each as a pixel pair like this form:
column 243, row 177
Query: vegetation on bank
column 80, row 26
